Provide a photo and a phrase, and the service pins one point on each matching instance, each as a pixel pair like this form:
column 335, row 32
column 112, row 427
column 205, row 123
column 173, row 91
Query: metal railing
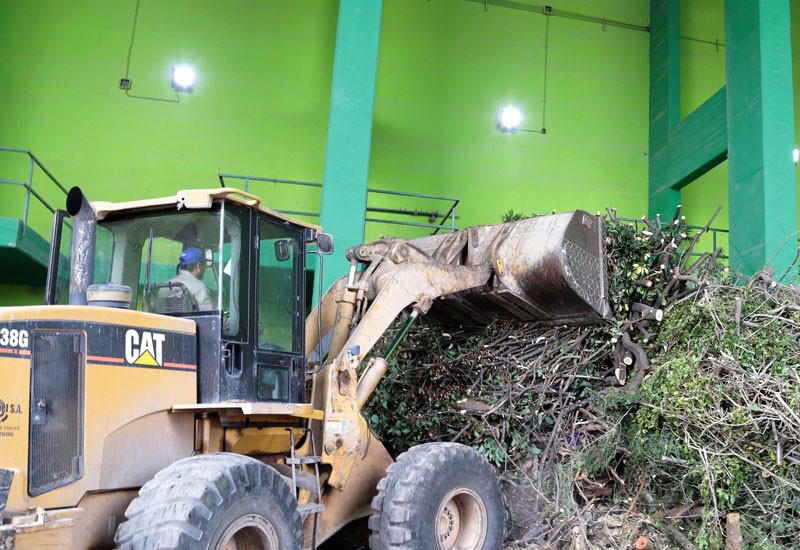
column 33, row 162
column 437, row 221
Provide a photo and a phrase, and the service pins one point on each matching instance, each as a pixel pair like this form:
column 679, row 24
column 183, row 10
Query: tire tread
column 173, row 507
column 393, row 522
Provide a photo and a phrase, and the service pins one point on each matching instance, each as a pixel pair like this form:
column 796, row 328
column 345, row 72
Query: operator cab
column 250, row 341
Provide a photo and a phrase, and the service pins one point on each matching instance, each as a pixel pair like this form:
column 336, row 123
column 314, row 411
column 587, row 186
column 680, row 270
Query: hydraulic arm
column 547, row 269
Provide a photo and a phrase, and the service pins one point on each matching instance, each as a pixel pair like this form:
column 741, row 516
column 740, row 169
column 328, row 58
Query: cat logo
column 145, row 348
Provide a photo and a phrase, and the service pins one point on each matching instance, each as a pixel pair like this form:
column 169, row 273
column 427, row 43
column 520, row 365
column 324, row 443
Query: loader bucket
column 549, row 269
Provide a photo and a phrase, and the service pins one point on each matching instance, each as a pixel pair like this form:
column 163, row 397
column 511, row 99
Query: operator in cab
column 191, row 268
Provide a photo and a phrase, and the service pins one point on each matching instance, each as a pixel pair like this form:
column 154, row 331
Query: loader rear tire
column 218, row 501
column 439, row 496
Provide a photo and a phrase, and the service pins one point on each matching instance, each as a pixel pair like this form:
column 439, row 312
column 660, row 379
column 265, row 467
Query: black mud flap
column 5, row 487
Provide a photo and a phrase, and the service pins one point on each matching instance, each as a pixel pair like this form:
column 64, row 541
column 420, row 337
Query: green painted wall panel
column 435, row 112
column 702, row 65
column 762, row 185
column 753, row 113
column 700, row 142
column 700, row 200
column 680, row 150
column 261, row 105
column 794, row 10
column 692, row 95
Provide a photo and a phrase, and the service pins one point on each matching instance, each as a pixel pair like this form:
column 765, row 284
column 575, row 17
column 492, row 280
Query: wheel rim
column 462, row 521
column 250, row 532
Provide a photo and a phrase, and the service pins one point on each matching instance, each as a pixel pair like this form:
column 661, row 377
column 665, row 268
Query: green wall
column 447, row 66
column 795, row 15
column 260, row 106
column 702, row 75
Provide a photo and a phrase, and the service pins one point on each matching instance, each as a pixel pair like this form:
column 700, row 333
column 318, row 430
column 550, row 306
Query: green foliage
column 712, row 427
column 419, row 401
column 630, row 255
column 512, row 216
column 705, row 425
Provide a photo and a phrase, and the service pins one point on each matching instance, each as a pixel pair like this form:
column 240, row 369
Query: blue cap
column 191, row 256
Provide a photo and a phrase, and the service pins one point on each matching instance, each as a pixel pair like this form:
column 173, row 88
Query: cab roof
column 196, row 199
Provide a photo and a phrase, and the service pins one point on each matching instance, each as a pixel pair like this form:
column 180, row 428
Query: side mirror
column 325, row 243
column 282, row 252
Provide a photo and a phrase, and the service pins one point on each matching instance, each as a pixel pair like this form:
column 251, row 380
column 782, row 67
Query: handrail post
column 28, row 189
column 28, row 184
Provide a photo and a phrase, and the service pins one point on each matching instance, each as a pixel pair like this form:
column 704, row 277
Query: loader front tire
column 442, row 496
column 218, row 501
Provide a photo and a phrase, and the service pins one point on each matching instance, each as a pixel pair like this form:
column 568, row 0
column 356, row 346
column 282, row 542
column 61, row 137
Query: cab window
column 279, row 287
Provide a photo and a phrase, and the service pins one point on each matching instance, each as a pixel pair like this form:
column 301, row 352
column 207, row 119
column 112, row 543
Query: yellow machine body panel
column 124, row 368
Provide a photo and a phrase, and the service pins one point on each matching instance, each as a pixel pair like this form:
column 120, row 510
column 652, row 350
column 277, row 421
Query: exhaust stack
column 84, row 232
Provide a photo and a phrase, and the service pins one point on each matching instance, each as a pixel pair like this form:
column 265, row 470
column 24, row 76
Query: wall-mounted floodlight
column 183, row 77
column 796, row 156
column 509, row 119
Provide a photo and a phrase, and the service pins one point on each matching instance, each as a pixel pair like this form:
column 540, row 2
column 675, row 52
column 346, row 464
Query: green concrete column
column 665, row 97
column 761, row 182
column 680, row 151
column 344, row 185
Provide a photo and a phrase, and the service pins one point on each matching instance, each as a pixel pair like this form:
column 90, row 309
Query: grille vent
column 56, row 409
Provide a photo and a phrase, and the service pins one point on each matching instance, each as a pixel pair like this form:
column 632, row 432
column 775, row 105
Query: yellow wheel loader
column 134, row 414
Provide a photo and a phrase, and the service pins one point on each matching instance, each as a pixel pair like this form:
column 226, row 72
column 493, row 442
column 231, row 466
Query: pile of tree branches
column 677, row 422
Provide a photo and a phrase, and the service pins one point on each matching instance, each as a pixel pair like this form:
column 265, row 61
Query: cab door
column 280, row 315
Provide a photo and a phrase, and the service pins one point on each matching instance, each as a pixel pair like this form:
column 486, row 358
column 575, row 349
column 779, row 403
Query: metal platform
column 23, row 254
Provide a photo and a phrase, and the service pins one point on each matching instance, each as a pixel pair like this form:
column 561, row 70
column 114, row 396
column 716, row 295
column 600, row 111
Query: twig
column 642, row 486
column 733, row 532
column 679, row 537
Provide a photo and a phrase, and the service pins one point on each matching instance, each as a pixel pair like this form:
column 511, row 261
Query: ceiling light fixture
column 183, row 78
column 509, row 119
